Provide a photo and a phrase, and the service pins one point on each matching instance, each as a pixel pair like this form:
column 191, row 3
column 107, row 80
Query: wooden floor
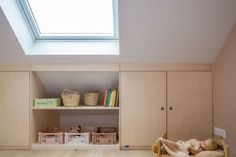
column 76, row 153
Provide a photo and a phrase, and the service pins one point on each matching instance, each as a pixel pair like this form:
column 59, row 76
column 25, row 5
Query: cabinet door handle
column 170, row 108
column 162, row 108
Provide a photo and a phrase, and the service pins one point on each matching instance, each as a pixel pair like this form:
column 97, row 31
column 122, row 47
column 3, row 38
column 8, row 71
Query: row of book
column 111, row 98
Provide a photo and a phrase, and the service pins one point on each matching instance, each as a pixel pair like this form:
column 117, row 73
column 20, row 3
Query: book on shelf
column 105, row 97
column 110, row 98
column 113, row 98
column 117, row 98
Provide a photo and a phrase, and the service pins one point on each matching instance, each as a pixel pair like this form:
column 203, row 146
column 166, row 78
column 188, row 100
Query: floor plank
column 76, row 153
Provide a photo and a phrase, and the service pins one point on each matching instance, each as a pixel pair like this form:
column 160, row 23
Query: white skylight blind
column 72, row 19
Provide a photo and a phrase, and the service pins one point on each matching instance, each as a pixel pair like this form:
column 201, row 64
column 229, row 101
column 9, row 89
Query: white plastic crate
column 77, row 138
column 90, row 129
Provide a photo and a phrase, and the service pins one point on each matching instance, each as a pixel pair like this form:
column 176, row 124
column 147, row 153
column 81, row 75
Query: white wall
column 150, row 31
column 89, row 118
column 225, row 91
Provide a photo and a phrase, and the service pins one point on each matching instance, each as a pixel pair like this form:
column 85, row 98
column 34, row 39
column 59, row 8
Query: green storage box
column 47, row 102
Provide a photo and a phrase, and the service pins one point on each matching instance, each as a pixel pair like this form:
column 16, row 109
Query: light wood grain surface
column 14, row 112
column 166, row 67
column 75, row 67
column 14, row 67
column 190, row 96
column 143, row 94
column 76, row 153
column 40, row 120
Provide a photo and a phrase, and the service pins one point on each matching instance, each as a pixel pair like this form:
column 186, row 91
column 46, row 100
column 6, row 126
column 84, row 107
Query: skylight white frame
column 32, row 24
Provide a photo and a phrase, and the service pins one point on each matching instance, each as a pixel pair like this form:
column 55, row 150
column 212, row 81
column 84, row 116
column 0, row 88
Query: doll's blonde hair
column 213, row 144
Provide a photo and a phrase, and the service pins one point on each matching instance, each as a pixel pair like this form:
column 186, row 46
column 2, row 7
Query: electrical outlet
column 220, row 132
column 216, row 130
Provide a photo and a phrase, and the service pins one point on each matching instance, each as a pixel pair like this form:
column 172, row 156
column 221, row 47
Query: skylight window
column 71, row 19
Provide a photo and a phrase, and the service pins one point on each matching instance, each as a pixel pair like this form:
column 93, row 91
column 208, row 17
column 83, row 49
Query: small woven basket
column 70, row 98
column 91, row 98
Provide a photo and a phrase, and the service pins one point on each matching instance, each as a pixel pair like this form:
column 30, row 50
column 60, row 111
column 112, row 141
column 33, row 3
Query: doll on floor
column 209, row 144
column 186, row 148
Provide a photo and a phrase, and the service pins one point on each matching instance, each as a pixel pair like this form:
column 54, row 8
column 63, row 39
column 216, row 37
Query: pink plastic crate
column 50, row 138
column 104, row 138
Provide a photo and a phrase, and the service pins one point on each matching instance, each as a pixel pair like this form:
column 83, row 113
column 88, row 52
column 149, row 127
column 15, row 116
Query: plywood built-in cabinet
column 155, row 103
column 189, row 100
column 154, row 100
column 15, row 109
column 143, row 102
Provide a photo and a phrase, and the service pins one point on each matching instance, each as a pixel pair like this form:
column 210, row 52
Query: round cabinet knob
column 170, row 108
column 162, row 108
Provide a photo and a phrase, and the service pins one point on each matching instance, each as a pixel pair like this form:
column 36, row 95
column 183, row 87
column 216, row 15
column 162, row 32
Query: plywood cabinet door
column 14, row 109
column 143, row 114
column 189, row 100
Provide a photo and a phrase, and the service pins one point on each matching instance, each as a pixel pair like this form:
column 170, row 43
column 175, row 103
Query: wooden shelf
column 66, row 146
column 79, row 108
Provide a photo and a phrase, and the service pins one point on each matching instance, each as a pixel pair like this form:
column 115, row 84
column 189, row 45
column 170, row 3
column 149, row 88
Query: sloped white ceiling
column 189, row 31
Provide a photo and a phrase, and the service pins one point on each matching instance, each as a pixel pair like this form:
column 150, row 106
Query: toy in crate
column 59, row 129
column 77, row 138
column 89, row 129
column 107, row 129
column 105, row 135
column 50, row 138
column 74, row 129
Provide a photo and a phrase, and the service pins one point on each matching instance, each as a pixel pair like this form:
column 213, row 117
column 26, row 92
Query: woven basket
column 70, row 98
column 91, row 98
